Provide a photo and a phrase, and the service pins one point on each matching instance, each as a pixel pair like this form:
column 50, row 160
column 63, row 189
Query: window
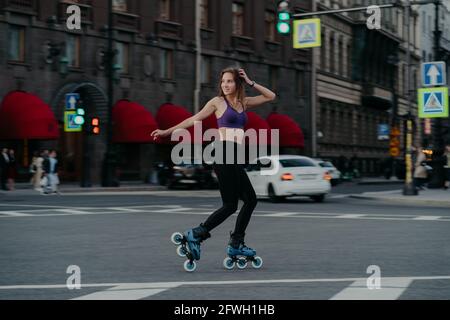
column 204, row 13
column 332, row 58
column 165, row 10
column 73, row 51
column 323, row 53
column 166, row 63
column 273, row 77
column 238, row 19
column 341, row 58
column 122, row 57
column 16, row 43
column 300, row 162
column 206, row 69
column 349, row 60
column 270, row 25
column 300, row 83
column 120, row 5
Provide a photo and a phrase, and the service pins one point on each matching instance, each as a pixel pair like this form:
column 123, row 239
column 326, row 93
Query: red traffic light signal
column 95, row 126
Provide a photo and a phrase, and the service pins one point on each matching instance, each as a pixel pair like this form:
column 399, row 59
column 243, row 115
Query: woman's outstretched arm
column 207, row 110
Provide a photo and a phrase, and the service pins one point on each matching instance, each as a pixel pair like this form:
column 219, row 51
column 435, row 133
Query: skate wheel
column 257, row 262
column 242, row 263
column 176, row 238
column 228, row 263
column 181, row 251
column 190, row 266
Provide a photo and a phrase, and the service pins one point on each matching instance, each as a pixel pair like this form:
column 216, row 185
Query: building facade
column 361, row 83
column 155, row 61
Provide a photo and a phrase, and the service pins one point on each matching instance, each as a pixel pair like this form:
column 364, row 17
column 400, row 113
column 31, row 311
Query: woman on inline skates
column 230, row 108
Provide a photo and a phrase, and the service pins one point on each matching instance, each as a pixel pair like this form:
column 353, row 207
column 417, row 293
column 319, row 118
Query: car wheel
column 319, row 198
column 272, row 195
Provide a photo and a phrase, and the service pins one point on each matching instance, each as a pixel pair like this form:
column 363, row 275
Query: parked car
column 187, row 174
column 296, row 176
column 336, row 175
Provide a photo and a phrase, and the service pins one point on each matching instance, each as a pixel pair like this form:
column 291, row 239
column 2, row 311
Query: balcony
column 168, row 29
column 126, row 21
column 243, row 44
column 22, row 6
column 376, row 97
column 86, row 11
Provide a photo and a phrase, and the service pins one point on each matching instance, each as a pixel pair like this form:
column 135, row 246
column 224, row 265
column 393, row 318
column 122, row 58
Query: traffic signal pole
column 108, row 179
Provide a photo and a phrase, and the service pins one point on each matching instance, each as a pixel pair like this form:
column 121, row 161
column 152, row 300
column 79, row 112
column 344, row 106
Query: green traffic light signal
column 282, row 16
column 283, row 27
column 79, row 118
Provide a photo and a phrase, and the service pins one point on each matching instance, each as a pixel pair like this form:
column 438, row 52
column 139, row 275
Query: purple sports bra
column 231, row 118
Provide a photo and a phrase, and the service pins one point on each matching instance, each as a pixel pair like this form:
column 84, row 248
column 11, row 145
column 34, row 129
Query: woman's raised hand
column 243, row 75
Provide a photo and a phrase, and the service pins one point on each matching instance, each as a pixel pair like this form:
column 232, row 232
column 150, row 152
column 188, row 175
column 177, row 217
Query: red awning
column 170, row 115
column 132, row 123
column 256, row 122
column 25, row 116
column 291, row 135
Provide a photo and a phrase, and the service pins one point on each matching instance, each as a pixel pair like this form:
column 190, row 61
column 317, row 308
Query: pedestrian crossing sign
column 433, row 102
column 307, row 33
column 69, row 122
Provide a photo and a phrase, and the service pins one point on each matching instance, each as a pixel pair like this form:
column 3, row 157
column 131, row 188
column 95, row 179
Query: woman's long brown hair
column 240, row 89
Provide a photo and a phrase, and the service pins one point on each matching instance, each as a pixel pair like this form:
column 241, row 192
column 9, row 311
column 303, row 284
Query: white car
column 331, row 169
column 278, row 177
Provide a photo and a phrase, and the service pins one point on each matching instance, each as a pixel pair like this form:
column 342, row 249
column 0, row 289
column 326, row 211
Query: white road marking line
column 72, row 211
column 165, row 285
column 42, row 206
column 178, row 209
column 120, row 294
column 15, row 214
column 126, row 209
column 173, row 210
column 350, row 216
column 281, row 214
column 427, row 218
column 391, row 289
column 338, row 196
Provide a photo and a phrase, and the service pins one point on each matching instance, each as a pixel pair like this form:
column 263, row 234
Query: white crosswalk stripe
column 391, row 288
column 203, row 210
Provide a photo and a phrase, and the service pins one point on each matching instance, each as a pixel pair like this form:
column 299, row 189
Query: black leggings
column 234, row 185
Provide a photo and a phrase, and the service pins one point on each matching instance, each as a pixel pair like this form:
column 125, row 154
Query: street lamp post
column 108, row 173
column 437, row 178
column 409, row 189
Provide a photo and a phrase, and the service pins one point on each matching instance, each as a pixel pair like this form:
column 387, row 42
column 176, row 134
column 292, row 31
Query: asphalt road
column 121, row 245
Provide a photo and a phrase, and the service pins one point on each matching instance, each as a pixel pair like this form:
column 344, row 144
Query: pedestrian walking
column 11, row 170
column 50, row 167
column 4, row 162
column 447, row 167
column 36, row 170
column 230, row 108
column 420, row 172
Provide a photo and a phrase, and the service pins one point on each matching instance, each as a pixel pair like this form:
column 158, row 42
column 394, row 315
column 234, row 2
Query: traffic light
column 95, row 126
column 79, row 117
column 284, row 17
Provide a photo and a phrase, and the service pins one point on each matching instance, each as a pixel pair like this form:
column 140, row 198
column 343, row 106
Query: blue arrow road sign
column 433, row 74
column 71, row 101
column 383, row 131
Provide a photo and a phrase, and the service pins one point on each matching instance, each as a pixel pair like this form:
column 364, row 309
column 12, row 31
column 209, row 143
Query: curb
column 405, row 201
column 380, row 182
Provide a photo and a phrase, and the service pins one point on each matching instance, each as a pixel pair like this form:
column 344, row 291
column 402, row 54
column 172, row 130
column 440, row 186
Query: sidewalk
column 67, row 188
column 436, row 197
column 378, row 180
